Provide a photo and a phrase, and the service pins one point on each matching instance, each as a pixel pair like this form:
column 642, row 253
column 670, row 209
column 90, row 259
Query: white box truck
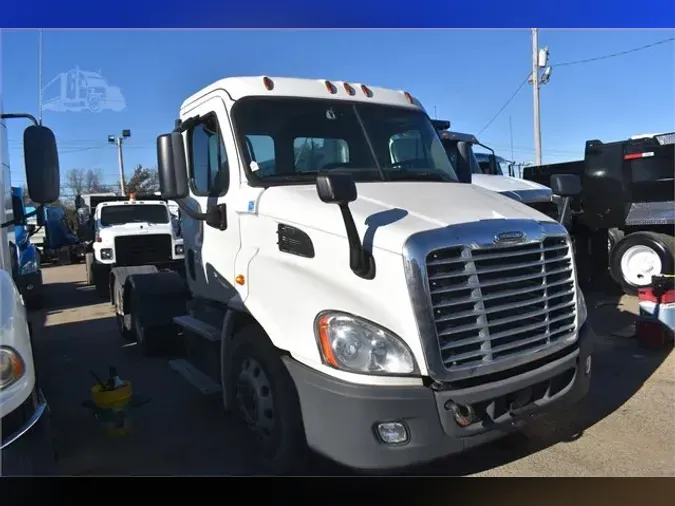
column 373, row 309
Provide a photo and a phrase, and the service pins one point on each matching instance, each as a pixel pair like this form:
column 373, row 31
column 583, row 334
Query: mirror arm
column 20, row 115
column 31, row 234
column 191, row 212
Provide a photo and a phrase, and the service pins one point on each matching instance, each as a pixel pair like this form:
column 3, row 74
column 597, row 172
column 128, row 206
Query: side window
column 261, row 151
column 208, row 159
column 313, row 154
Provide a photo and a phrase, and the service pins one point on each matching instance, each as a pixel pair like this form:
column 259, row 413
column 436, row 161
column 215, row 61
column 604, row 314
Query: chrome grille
column 491, row 304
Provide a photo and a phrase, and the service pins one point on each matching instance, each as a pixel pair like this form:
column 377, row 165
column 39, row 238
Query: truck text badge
column 510, row 237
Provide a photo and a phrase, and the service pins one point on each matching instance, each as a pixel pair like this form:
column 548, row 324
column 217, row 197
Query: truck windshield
column 291, row 140
column 133, row 213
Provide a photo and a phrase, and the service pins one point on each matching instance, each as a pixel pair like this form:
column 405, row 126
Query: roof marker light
column 350, row 91
column 409, row 97
column 330, row 87
column 269, row 84
column 366, row 91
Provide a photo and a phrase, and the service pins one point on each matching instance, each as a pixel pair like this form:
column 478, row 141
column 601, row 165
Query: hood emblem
column 510, row 237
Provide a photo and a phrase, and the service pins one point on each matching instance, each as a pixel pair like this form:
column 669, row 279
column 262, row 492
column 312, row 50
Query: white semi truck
column 26, row 441
column 492, row 172
column 373, row 309
column 123, row 231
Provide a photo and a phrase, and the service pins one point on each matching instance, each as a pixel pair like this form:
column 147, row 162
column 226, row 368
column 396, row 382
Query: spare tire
column 639, row 256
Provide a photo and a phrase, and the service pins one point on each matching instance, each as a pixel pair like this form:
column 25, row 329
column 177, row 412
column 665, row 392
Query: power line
column 613, row 55
column 505, row 104
column 575, row 62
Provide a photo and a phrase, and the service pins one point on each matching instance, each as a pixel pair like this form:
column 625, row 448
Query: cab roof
column 240, row 87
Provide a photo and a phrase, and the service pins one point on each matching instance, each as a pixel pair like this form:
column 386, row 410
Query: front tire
column 639, row 256
column 89, row 266
column 261, row 393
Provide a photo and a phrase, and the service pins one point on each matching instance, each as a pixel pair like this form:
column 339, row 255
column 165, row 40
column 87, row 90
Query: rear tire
column 147, row 339
column 614, row 237
column 102, row 282
column 639, row 256
column 124, row 326
column 261, row 393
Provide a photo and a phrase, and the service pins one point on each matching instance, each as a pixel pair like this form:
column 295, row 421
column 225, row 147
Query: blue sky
column 466, row 76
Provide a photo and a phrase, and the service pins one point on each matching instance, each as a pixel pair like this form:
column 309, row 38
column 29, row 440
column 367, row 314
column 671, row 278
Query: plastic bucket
column 113, row 409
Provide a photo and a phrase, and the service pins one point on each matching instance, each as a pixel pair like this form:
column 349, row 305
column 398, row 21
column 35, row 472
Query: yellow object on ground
column 113, row 408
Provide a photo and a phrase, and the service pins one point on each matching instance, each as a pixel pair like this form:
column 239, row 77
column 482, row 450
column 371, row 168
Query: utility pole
column 539, row 61
column 118, row 141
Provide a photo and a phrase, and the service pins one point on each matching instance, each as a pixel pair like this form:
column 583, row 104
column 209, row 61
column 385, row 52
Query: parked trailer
column 26, row 441
column 624, row 220
column 338, row 300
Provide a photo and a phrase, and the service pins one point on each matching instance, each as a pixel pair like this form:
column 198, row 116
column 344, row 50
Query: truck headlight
column 12, row 367
column 582, row 310
column 106, row 254
column 352, row 344
column 29, row 267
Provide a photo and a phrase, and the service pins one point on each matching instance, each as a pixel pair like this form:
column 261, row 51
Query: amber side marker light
column 239, row 279
column 326, row 350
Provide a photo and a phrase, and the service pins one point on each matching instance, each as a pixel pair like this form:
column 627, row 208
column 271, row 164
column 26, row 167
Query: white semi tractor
column 373, row 309
column 26, row 441
column 492, row 172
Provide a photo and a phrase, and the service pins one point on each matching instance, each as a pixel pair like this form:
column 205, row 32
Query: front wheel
column 638, row 257
column 262, row 394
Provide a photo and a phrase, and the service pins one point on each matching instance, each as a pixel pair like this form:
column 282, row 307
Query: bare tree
column 79, row 181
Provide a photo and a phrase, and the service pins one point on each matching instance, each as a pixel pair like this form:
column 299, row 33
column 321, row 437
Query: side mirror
column 18, row 210
column 171, row 166
column 336, row 188
column 492, row 163
column 566, row 185
column 41, row 158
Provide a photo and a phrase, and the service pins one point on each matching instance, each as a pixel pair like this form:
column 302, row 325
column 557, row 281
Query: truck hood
column 388, row 213
column 505, row 183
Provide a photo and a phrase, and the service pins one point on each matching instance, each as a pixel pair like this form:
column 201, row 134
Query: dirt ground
column 624, row 427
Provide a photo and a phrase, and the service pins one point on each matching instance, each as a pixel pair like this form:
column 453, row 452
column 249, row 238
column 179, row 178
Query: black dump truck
column 624, row 220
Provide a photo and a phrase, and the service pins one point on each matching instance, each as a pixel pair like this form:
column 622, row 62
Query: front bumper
column 27, row 446
column 340, row 418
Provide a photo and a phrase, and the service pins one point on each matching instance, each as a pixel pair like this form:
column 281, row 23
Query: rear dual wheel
column 639, row 256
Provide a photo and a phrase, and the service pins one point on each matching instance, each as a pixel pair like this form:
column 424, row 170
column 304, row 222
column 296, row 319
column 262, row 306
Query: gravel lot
column 625, row 427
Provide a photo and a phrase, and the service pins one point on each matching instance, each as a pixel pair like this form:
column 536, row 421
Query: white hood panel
column 386, row 214
column 505, row 183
